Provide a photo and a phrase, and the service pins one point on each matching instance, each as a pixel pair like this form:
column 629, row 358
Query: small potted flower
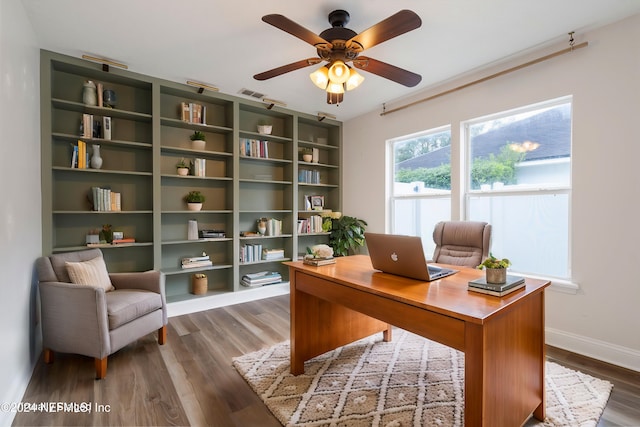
column 307, row 155
column 194, row 200
column 496, row 269
column 198, row 139
column 182, row 167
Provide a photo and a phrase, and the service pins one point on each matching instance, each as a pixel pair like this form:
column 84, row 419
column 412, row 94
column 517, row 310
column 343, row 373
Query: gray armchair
column 87, row 320
column 464, row 243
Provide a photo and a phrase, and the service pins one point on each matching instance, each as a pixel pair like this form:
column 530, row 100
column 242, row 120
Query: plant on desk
column 496, row 269
column 347, row 235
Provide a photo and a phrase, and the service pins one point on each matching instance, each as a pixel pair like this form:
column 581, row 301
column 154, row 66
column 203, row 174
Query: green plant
column 264, row 122
column 493, row 262
column 197, row 136
column 194, row 197
column 347, row 234
column 182, row 164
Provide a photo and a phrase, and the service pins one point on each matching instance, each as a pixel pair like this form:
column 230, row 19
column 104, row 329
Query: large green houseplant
column 347, row 234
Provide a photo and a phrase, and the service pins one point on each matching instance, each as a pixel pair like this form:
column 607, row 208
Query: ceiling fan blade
column 287, row 68
column 388, row 71
column 395, row 25
column 295, row 29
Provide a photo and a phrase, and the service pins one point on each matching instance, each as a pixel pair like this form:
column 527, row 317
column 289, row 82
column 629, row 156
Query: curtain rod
column 492, row 76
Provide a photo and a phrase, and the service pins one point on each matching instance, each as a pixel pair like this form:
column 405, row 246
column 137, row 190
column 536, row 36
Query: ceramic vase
column 96, row 160
column 194, row 206
column 89, row 94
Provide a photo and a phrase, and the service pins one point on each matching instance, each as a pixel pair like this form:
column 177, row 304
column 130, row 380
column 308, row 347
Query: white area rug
column 409, row 381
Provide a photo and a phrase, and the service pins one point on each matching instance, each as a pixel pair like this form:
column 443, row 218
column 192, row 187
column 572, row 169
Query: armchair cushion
column 126, row 305
column 92, row 273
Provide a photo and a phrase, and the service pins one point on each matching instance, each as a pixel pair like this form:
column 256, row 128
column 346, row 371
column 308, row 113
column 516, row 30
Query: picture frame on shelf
column 317, row 203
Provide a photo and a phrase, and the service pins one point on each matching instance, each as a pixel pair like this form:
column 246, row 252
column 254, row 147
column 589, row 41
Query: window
column 519, row 180
column 421, row 187
column 517, row 177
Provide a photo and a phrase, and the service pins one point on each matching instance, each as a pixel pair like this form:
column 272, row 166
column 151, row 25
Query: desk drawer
column 434, row 326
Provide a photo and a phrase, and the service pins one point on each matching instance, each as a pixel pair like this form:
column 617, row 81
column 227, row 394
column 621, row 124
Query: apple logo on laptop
column 394, row 256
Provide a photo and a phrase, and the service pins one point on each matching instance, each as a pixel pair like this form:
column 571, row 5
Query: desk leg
column 504, row 366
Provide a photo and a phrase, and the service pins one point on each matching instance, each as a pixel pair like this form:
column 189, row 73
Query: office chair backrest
column 464, row 243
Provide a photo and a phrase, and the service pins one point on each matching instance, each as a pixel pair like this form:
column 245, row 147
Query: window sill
column 559, row 285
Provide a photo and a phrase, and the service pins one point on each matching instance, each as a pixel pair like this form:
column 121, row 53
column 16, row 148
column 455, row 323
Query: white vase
column 89, row 94
column 96, row 160
column 198, row 144
column 194, row 206
column 183, row 171
column 265, row 129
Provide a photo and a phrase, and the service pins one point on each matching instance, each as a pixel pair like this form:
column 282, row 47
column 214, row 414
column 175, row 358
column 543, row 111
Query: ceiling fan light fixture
column 335, row 87
column 334, row 98
column 338, row 72
column 320, row 77
column 354, row 80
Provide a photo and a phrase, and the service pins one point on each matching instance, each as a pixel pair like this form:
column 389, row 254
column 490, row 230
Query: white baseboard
column 596, row 349
column 13, row 395
column 227, row 298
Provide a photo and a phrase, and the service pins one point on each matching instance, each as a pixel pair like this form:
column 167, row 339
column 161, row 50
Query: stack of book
column 318, row 261
column 103, row 199
column 193, row 113
column 254, row 148
column 307, row 176
column 512, row 284
column 196, row 262
column 313, row 224
column 250, row 252
column 261, row 278
column 271, row 254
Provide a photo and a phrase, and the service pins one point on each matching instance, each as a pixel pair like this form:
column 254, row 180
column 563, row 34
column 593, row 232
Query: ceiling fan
column 339, row 45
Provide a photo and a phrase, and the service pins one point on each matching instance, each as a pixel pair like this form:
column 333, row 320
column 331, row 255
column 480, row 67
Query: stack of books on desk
column 261, row 278
column 481, row 285
column 196, row 262
column 318, row 261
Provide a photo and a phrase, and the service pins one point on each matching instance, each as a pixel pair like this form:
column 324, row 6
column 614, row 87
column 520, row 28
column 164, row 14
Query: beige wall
column 20, row 216
column 602, row 319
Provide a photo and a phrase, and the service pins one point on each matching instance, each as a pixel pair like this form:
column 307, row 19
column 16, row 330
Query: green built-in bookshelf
column 150, row 133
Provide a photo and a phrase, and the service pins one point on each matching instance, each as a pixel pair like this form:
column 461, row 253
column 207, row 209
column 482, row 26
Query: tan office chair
column 101, row 312
column 464, row 243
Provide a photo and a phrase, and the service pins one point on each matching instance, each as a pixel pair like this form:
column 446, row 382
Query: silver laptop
column 402, row 256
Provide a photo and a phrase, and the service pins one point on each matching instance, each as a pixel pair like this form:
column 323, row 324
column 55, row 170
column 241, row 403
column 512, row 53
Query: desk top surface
column 447, row 296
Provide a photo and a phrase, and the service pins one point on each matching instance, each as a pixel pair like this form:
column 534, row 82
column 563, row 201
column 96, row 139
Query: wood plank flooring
column 190, row 380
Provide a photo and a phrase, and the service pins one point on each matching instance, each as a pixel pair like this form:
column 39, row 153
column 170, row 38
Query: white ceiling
column 224, row 43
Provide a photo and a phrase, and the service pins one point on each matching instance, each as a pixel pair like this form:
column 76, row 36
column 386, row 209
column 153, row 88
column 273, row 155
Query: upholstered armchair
column 464, row 243
column 88, row 311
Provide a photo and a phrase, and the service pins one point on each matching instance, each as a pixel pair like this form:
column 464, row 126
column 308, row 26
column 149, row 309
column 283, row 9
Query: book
column 497, row 293
column 317, row 262
column 196, row 264
column 481, row 285
column 124, row 240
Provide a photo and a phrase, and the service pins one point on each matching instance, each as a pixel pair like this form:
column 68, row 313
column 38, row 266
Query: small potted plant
column 264, row 127
column 496, row 269
column 182, row 167
column 198, row 139
column 194, row 200
column 307, row 155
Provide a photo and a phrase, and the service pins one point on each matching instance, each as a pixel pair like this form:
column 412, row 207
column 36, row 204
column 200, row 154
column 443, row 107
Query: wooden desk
column 502, row 338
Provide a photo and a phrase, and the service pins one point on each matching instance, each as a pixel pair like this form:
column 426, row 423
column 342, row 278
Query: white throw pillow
column 92, row 272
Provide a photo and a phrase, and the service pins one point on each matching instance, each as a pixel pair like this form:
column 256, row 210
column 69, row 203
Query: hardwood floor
column 190, row 380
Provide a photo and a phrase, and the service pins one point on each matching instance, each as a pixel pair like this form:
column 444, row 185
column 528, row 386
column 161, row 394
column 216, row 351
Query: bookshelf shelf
column 148, row 138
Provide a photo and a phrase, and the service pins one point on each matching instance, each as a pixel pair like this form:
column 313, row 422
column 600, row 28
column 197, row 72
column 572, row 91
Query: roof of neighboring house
column 551, row 129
